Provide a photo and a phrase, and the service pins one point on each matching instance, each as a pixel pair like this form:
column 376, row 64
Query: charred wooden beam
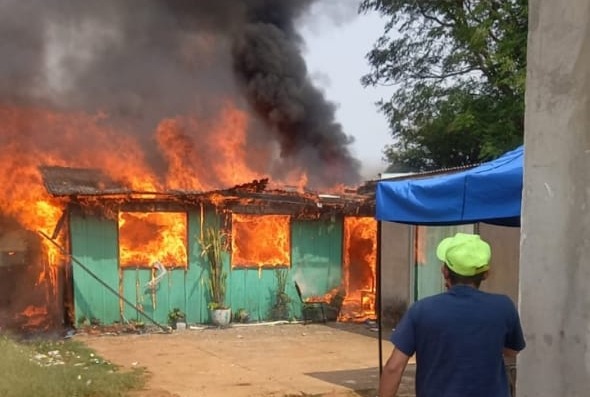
column 60, row 224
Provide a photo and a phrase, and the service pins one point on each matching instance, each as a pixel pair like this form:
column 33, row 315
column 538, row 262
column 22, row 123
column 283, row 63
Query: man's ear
column 445, row 272
column 485, row 275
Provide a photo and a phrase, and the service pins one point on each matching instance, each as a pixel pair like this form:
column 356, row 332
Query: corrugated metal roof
column 426, row 174
column 65, row 181
column 370, row 186
column 83, row 183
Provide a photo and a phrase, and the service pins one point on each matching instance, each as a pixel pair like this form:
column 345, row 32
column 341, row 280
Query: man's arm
column 514, row 341
column 392, row 373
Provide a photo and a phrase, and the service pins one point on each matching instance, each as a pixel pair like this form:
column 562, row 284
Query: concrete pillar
column 555, row 239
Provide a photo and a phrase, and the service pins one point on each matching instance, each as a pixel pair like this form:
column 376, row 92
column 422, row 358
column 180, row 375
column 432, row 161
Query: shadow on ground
column 365, row 329
column 354, row 379
column 365, row 380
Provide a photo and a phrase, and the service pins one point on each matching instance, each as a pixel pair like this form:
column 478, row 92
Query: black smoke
column 272, row 71
column 143, row 60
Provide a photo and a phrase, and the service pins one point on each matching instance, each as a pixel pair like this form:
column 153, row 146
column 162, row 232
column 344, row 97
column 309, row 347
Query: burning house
column 127, row 126
column 141, row 250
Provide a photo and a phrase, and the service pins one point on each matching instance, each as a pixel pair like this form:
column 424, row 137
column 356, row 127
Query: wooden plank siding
column 94, row 243
column 316, row 263
column 252, row 290
column 316, row 256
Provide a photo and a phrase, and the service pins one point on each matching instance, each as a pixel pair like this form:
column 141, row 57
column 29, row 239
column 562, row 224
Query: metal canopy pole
column 378, row 301
column 108, row 287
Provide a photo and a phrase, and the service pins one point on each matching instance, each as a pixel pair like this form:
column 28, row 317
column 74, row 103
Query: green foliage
column 176, row 315
column 280, row 309
column 215, row 305
column 60, row 368
column 242, row 316
column 458, row 71
column 213, row 243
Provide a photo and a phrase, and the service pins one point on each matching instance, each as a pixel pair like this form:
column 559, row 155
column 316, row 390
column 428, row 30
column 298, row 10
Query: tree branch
column 442, row 76
column 431, row 17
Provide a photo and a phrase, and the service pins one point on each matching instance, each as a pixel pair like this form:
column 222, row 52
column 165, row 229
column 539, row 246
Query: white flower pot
column 221, row 317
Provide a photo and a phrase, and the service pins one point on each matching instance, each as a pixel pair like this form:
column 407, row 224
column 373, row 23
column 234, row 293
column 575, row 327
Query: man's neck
column 464, row 285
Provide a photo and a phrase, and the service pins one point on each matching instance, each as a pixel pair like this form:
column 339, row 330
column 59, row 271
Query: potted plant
column 242, row 316
column 176, row 317
column 212, row 245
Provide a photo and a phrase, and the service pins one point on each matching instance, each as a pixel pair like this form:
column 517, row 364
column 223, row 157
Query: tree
column 457, row 68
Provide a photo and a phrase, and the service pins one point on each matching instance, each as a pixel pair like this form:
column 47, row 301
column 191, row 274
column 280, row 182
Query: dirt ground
column 261, row 360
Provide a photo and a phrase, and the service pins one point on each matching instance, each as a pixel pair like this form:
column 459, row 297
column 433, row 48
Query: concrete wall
column 555, row 241
column 505, row 243
column 396, row 257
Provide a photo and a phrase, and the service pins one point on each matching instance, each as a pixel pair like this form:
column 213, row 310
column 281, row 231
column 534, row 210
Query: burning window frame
column 238, row 264
column 186, row 242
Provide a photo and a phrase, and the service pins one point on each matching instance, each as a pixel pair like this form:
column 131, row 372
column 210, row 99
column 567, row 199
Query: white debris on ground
column 54, row 357
column 48, row 360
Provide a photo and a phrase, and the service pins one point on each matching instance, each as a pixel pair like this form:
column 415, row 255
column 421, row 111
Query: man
column 459, row 336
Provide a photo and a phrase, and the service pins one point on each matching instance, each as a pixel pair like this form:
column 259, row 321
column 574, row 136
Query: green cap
column 465, row 254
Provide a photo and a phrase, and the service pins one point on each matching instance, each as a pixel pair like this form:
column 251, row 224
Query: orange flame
column 260, row 240
column 200, row 154
column 360, row 260
column 35, row 317
column 149, row 237
column 182, row 152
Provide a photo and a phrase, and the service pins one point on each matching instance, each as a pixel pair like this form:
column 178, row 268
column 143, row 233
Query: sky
column 336, row 41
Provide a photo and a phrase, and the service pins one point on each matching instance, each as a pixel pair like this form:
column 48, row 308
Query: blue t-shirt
column 458, row 337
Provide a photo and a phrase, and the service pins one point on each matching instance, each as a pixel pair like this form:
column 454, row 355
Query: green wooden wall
column 94, row 244
column 316, row 264
column 180, row 288
column 316, row 255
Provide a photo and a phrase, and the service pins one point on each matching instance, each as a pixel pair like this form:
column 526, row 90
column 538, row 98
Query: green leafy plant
column 213, row 243
column 83, row 321
column 138, row 324
column 280, row 309
column 176, row 315
column 457, row 71
column 242, row 316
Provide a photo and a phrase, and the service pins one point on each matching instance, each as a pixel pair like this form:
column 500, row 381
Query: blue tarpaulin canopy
column 490, row 193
